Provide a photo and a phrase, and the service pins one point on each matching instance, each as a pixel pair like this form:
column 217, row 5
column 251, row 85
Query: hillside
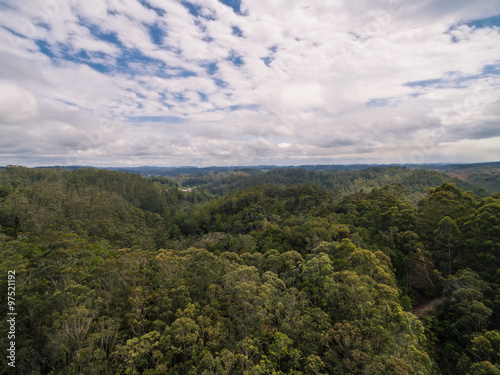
column 484, row 175
column 413, row 181
column 347, row 179
column 116, row 273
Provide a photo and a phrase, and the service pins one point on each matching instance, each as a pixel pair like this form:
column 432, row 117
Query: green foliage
column 414, row 181
column 447, row 236
column 484, row 175
column 122, row 274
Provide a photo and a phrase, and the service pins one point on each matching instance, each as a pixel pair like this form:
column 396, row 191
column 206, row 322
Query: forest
column 384, row 270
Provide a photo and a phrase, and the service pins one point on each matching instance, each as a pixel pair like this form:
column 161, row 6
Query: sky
column 249, row 82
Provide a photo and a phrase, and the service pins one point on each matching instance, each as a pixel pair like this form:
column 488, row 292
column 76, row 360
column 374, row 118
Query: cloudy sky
column 230, row 82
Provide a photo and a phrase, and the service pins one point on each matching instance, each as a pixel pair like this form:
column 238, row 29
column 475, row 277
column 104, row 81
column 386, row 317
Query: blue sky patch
column 454, row 39
column 187, row 73
column 180, row 98
column 63, row 52
column 489, row 22
column 424, row 83
column 208, row 39
column 131, row 59
column 164, row 119
column 159, row 12
column 203, row 96
column 44, row 48
column 157, row 34
column 100, row 34
column 250, row 107
column 234, row 4
column 492, row 69
column 237, row 31
column 267, row 60
column 379, row 102
column 236, row 59
column 196, row 10
column 5, row 6
column 493, row 21
column 220, row 83
column 45, row 25
column 13, row 32
column 212, row 68
column 454, row 78
column 68, row 103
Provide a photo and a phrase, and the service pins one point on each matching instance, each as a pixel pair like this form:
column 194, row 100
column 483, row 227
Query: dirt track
column 428, row 308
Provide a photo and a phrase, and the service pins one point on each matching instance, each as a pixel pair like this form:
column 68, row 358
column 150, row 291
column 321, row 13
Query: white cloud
column 17, row 105
column 304, row 82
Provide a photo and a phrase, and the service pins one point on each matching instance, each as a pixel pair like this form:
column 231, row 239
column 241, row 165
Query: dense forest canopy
column 287, row 271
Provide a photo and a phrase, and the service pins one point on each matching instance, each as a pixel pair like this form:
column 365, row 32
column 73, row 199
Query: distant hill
column 348, row 179
column 414, row 181
column 476, row 176
column 484, row 175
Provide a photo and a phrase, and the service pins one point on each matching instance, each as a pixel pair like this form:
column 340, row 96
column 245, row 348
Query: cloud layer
column 212, row 82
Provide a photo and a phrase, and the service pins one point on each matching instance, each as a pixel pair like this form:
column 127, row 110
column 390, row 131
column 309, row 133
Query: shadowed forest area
column 287, row 271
